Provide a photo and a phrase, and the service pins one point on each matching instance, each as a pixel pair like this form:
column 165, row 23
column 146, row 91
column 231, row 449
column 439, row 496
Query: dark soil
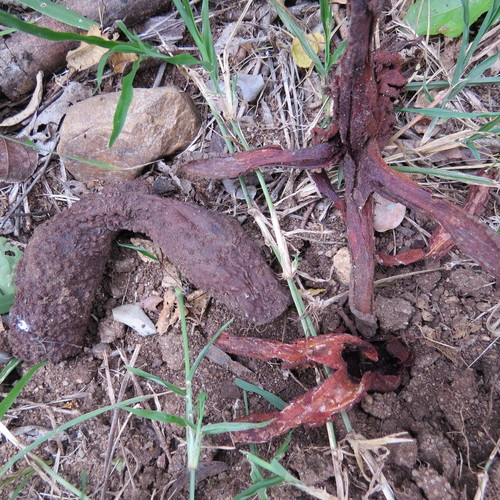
column 447, row 403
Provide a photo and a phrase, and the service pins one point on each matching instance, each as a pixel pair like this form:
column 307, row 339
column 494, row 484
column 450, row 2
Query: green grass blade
column 485, row 80
column 339, row 51
column 447, row 174
column 59, row 479
column 259, row 486
column 58, row 36
column 48, row 34
column 100, row 66
column 124, row 102
column 7, row 32
column 268, row 396
column 222, row 427
column 8, row 401
column 8, row 368
column 187, row 16
column 82, row 418
column 154, row 378
column 28, row 473
column 297, row 32
column 205, row 349
column 60, row 13
column 284, row 447
column 208, row 43
column 147, row 254
column 159, row 416
column 448, row 113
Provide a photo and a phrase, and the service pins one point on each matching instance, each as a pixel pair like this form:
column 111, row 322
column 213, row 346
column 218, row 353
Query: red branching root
column 357, row 367
column 363, row 91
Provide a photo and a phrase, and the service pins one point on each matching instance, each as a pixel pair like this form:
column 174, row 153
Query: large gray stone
column 160, row 121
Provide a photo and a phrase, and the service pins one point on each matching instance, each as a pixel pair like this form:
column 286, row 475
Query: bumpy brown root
column 64, row 263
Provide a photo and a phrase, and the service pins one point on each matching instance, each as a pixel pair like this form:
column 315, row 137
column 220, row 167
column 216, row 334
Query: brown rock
column 342, row 264
column 160, row 121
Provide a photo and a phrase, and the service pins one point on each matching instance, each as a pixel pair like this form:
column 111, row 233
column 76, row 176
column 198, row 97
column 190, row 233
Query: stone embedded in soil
column 343, row 265
column 393, row 314
column 160, row 121
column 437, row 451
column 470, row 282
column 386, row 214
column 110, row 330
column 434, row 486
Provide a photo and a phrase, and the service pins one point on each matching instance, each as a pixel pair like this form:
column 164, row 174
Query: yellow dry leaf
column 302, row 60
column 316, row 291
column 85, row 56
column 118, row 61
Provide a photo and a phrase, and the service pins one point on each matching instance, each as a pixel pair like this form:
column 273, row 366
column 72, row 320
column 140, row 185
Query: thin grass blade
column 259, row 486
column 268, row 396
column 82, row 418
column 8, row 401
column 222, row 427
column 124, row 102
column 297, row 32
column 159, row 416
column 447, row 174
column 8, row 368
column 205, row 349
column 154, row 378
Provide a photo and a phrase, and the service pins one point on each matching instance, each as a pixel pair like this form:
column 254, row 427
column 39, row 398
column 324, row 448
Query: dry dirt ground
column 443, row 311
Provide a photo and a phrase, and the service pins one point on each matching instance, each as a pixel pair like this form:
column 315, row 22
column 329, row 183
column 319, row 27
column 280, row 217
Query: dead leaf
column 198, row 302
column 73, row 92
column 316, row 291
column 17, row 161
column 86, row 56
column 151, row 303
column 302, row 60
column 32, row 106
column 170, row 313
column 119, row 61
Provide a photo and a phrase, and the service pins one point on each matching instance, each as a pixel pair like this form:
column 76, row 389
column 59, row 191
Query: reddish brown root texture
column 363, row 90
column 357, row 367
column 64, row 263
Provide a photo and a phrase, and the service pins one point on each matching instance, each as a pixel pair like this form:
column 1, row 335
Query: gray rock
column 393, row 314
column 160, row 121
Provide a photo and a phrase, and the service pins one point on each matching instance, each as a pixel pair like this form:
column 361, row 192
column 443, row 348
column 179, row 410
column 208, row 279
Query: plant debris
column 64, row 262
column 363, row 90
column 359, row 367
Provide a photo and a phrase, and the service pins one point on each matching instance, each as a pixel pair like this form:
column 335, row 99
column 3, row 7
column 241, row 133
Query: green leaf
column 444, row 17
column 60, row 13
column 6, row 302
column 124, row 102
column 7, row 402
column 9, row 257
column 141, row 250
column 222, row 427
column 159, row 416
column 268, row 396
column 452, row 175
column 154, row 378
column 258, row 486
column 78, row 420
column 448, row 113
